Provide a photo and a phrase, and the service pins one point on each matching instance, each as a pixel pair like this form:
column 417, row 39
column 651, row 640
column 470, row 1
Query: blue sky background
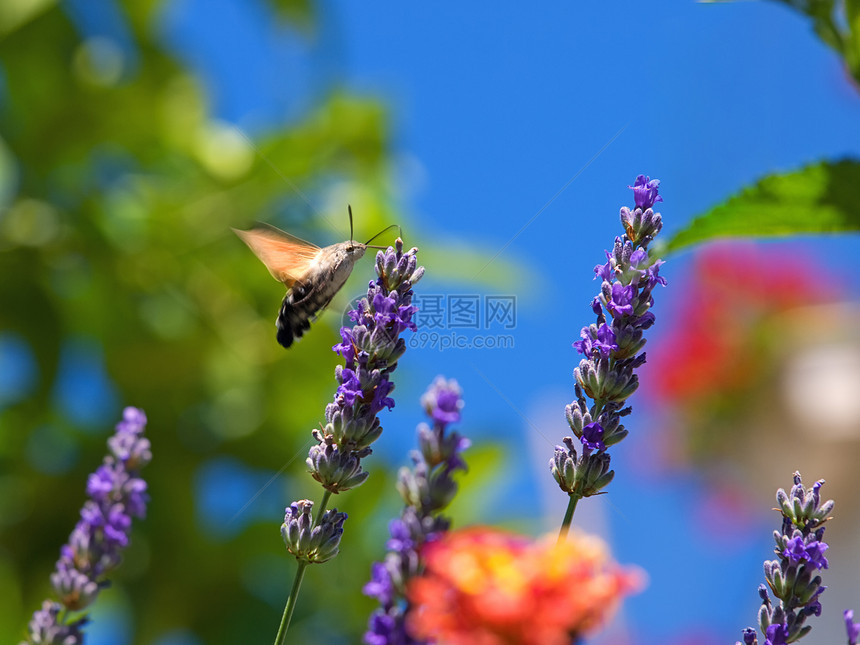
column 497, row 106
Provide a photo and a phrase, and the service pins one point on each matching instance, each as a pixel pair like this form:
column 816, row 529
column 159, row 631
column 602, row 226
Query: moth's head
column 355, row 250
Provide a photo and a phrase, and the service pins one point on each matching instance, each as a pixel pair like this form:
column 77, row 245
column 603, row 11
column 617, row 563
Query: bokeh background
column 501, row 138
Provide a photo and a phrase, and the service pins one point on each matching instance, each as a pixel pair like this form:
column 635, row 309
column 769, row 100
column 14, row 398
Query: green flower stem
column 297, row 582
column 291, row 603
column 568, row 517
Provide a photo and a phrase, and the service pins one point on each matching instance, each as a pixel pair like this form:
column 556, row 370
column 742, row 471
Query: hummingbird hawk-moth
column 312, row 275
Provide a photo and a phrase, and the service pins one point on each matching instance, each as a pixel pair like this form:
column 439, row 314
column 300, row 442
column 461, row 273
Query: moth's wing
column 286, row 256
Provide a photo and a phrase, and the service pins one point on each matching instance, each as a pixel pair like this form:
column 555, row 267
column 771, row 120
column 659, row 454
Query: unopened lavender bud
column 442, row 490
column 428, row 445
column 412, row 485
column 389, row 267
column 793, row 577
column 297, row 526
column 596, row 473
column 797, row 510
column 586, row 378
column 626, row 252
column 576, row 417
column 806, row 589
column 398, row 569
column 784, row 502
column 771, row 571
column 630, row 343
column 763, row 618
column 601, row 482
column 797, row 489
column 439, row 448
column 417, row 275
column 614, row 437
column 621, row 385
column 349, row 431
column 326, row 536
column 563, row 465
column 337, row 471
column 617, row 250
column 308, row 542
column 823, row 512
column 800, row 633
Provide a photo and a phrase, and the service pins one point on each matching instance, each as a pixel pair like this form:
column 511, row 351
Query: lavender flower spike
column 793, row 577
column 612, row 350
column 116, row 494
column 370, row 349
column 427, row 488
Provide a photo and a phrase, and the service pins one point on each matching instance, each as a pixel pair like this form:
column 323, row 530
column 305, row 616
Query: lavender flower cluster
column 313, row 542
column 117, row 493
column 611, row 347
column 426, row 488
column 370, row 349
column 793, row 576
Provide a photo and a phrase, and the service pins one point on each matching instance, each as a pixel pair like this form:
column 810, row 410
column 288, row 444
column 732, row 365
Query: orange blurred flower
column 482, row 586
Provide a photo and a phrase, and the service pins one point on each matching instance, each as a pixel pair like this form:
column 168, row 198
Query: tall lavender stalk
column 370, row 350
column 426, row 488
column 612, row 351
column 116, row 494
column 793, row 576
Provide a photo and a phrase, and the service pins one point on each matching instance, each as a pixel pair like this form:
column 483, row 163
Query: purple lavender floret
column 793, row 577
column 851, row 628
column 117, row 493
column 370, row 350
column 426, row 488
column 645, row 192
column 776, row 635
column 611, row 348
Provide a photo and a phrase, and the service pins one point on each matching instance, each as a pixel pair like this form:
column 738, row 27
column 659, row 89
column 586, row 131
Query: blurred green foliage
column 117, row 191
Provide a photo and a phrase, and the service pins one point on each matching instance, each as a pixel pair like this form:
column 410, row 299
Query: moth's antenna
column 349, row 207
column 400, row 231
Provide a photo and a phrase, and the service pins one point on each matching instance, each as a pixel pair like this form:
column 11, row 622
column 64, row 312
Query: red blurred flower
column 482, row 586
column 716, row 343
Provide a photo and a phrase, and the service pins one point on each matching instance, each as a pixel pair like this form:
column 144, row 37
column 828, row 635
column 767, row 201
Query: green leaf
column 821, row 198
